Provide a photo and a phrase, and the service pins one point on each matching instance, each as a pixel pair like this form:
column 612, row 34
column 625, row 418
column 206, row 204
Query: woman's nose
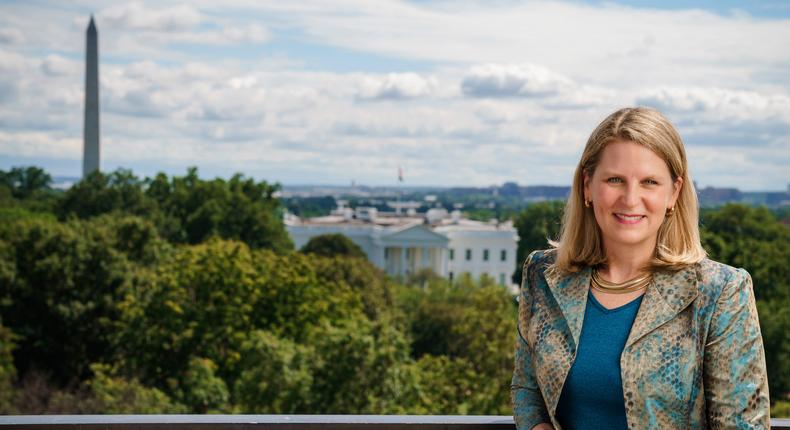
column 631, row 195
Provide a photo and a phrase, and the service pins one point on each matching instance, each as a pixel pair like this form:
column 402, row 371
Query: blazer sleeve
column 734, row 373
column 529, row 408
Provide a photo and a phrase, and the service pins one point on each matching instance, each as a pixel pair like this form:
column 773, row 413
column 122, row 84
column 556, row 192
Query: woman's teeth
column 629, row 217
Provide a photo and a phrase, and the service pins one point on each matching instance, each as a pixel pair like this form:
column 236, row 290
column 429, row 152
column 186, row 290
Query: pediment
column 419, row 234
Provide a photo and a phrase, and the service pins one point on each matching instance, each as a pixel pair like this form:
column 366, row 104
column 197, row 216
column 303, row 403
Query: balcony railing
column 272, row 422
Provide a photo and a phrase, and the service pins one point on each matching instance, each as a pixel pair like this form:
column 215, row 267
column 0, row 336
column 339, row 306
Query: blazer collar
column 570, row 291
column 668, row 294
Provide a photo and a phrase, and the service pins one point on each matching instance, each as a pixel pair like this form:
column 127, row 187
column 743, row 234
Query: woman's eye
column 614, row 180
column 651, row 182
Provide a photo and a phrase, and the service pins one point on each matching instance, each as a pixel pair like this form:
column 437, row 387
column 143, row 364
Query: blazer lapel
column 666, row 297
column 570, row 292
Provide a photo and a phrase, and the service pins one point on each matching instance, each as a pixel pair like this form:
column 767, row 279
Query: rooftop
column 367, row 217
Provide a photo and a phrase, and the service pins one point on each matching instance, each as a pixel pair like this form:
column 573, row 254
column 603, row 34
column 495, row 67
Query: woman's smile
column 628, row 219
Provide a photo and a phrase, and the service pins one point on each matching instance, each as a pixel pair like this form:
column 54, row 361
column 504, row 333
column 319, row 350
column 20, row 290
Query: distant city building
column 404, row 244
column 710, row 195
column 508, row 195
column 90, row 149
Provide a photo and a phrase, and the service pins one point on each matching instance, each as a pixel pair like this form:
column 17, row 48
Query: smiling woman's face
column 631, row 190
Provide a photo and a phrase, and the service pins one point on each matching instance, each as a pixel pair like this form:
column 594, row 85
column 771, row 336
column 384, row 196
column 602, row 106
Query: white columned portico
column 441, row 262
column 379, row 256
column 412, row 248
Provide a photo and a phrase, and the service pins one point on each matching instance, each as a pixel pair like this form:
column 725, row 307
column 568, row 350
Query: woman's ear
column 677, row 186
column 586, row 187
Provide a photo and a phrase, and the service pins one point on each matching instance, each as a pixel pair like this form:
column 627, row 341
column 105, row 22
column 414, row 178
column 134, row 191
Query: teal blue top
column 592, row 397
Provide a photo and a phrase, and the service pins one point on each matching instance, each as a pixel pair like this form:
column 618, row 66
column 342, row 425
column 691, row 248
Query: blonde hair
column 678, row 243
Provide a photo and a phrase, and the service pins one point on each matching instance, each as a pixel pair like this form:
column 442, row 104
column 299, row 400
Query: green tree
column 752, row 238
column 330, row 245
column 472, row 323
column 361, row 276
column 185, row 209
column 276, row 376
column 192, row 210
column 485, row 337
column 447, row 385
column 23, row 182
column 7, row 370
column 536, row 225
column 308, row 207
column 206, row 300
column 99, row 193
column 775, row 326
column 112, row 394
column 28, row 188
column 361, row 367
column 59, row 292
column 201, row 389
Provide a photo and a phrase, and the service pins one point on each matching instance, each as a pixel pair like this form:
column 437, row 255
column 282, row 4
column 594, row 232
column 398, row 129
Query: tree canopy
column 329, row 245
column 185, row 209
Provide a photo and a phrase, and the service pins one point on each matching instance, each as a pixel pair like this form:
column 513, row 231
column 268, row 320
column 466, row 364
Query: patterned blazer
column 694, row 357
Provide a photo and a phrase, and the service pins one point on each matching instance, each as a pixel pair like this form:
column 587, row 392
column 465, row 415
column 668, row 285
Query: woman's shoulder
column 540, row 259
column 714, row 277
column 538, row 264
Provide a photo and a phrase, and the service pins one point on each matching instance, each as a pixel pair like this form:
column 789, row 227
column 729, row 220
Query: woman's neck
column 624, row 263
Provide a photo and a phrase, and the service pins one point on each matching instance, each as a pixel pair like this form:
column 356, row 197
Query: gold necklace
column 629, row 286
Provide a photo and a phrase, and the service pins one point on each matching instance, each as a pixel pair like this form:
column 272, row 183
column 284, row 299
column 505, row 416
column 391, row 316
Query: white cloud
column 14, row 68
column 37, row 144
column 246, row 33
column 55, row 65
column 136, row 16
column 494, row 113
column 531, row 81
column 477, row 94
column 511, row 80
column 721, row 117
column 180, row 23
column 11, row 62
column 632, row 47
column 11, row 36
column 712, row 166
column 724, row 103
column 396, row 86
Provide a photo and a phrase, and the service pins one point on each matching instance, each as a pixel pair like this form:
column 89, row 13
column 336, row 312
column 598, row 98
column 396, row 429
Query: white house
column 401, row 244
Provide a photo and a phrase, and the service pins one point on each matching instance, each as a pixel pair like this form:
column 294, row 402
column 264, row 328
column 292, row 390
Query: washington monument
column 90, row 151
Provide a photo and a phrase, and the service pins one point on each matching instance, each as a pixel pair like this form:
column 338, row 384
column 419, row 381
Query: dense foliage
column 185, row 209
column 182, row 295
column 536, row 225
column 328, row 245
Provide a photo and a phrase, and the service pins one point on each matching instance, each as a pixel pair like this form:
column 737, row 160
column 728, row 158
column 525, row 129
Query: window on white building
column 452, row 255
column 450, row 275
column 503, row 255
column 485, row 255
column 501, row 279
column 468, row 254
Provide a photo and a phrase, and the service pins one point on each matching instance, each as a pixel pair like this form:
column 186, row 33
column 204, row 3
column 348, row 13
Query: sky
column 458, row 93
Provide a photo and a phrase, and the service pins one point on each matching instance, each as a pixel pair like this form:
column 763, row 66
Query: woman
column 625, row 323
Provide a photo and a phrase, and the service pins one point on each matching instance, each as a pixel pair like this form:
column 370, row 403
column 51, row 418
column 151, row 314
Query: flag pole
column 400, row 188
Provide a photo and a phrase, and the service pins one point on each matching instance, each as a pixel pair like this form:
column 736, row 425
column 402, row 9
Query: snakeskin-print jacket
column 694, row 357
